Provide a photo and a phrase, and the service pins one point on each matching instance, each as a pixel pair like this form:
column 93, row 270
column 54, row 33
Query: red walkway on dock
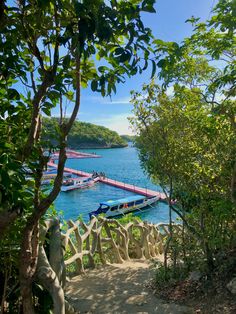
column 71, row 154
column 133, row 188
column 118, row 184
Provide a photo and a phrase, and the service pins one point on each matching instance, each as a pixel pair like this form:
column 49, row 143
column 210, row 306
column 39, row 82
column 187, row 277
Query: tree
column 187, row 150
column 48, row 50
column 206, row 61
column 186, row 129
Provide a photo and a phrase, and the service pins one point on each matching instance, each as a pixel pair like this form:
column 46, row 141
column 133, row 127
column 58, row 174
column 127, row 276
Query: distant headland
column 85, row 135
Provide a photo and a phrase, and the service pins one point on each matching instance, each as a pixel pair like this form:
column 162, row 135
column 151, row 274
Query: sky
column 168, row 23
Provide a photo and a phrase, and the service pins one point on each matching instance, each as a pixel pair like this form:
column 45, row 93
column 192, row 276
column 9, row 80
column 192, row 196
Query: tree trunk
column 56, row 258
column 26, row 293
column 28, row 261
column 169, row 199
column 48, row 279
column 29, row 246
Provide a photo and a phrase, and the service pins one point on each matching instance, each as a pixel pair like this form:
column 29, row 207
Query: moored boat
column 48, row 177
column 124, row 206
column 75, row 183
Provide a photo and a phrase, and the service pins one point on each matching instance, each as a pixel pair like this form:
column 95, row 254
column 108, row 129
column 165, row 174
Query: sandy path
column 119, row 289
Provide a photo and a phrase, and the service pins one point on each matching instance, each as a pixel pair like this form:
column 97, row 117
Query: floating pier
column 71, row 154
column 117, row 184
column 133, row 188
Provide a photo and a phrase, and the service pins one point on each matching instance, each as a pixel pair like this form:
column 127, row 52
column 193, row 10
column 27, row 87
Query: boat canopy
column 123, row 200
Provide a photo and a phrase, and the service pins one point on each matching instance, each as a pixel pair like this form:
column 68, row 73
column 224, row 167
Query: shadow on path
column 119, row 289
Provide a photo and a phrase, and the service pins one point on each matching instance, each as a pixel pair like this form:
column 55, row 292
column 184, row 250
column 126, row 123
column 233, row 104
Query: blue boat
column 123, row 206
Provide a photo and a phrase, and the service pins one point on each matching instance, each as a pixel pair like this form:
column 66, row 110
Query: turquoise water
column 121, row 164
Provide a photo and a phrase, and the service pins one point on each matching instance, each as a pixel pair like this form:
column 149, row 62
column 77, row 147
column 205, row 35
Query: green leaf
column 70, row 95
column 94, row 85
column 154, row 67
column 119, row 51
column 13, row 94
column 66, row 61
column 147, row 6
column 145, row 65
column 47, row 111
column 161, row 63
column 125, row 57
column 102, row 69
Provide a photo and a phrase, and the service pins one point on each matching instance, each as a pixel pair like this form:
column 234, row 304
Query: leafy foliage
column 187, row 134
column 128, row 138
column 47, row 53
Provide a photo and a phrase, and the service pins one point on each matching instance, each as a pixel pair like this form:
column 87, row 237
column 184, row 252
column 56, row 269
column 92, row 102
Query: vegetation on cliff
column 128, row 138
column 83, row 135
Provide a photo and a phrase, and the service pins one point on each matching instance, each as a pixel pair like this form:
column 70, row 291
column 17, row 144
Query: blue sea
column 121, row 164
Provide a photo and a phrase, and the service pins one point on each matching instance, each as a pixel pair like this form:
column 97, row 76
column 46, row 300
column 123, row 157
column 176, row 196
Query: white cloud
column 118, row 123
column 124, row 100
column 107, row 100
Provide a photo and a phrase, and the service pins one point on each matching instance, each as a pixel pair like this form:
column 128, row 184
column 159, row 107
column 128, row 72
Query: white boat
column 124, row 206
column 49, row 176
column 75, row 183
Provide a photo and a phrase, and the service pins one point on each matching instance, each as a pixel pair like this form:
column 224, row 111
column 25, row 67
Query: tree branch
column 33, row 82
column 77, row 100
column 33, row 131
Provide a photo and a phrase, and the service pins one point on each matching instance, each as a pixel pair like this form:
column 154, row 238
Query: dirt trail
column 119, row 289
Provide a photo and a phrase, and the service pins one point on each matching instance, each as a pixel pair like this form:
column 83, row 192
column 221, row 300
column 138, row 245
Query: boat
column 49, row 176
column 75, row 183
column 124, row 206
column 46, row 182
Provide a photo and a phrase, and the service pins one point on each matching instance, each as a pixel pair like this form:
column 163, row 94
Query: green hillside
column 83, row 135
column 128, row 138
